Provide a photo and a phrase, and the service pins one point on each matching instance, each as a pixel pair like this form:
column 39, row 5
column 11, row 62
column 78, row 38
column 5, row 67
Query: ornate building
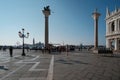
column 113, row 29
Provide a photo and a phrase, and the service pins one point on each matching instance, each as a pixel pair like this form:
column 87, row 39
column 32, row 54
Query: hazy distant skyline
column 70, row 21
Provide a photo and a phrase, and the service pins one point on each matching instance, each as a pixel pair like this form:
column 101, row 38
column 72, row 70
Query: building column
column 107, row 29
column 115, row 26
column 110, row 28
column 118, row 24
column 108, row 43
column 116, row 44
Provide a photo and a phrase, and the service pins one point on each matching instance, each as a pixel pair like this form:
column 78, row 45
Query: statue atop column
column 47, row 8
column 46, row 13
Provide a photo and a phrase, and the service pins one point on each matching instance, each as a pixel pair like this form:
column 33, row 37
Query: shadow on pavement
column 111, row 55
column 70, row 62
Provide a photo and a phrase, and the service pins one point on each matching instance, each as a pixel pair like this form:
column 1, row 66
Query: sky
column 70, row 21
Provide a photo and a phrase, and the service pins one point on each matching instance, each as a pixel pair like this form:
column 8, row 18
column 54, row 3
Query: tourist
column 11, row 51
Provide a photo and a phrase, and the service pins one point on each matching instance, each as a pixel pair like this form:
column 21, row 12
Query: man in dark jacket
column 11, row 51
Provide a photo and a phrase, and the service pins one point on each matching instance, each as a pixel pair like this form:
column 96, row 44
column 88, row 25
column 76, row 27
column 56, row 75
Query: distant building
column 113, row 29
column 38, row 45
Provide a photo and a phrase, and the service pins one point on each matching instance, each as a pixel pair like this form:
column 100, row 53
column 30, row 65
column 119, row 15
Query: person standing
column 11, row 51
column 67, row 49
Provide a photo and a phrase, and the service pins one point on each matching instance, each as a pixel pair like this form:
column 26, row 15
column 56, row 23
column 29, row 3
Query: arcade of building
column 113, row 29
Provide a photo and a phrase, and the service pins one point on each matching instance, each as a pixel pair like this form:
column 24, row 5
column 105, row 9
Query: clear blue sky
column 70, row 21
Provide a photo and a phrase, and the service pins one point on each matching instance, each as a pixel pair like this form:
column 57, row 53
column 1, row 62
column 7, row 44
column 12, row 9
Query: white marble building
column 113, row 29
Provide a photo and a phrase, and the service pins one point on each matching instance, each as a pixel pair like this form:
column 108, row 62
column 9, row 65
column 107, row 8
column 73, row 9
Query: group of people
column 55, row 49
column 44, row 50
column 10, row 50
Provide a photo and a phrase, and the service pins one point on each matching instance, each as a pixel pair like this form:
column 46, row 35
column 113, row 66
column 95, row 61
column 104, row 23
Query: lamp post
column 22, row 35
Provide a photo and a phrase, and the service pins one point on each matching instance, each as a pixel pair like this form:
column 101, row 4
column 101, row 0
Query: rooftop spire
column 116, row 8
column 107, row 12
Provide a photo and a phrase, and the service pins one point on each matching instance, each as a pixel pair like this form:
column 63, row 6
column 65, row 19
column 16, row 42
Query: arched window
column 113, row 26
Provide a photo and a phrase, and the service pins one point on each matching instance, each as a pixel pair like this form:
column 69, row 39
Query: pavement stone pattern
column 86, row 66
column 79, row 65
column 34, row 66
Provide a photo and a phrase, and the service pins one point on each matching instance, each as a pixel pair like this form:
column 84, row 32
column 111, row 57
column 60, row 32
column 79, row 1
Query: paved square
column 86, row 66
column 34, row 66
column 56, row 66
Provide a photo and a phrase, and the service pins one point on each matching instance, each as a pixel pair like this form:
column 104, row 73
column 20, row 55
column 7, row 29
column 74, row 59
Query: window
column 113, row 26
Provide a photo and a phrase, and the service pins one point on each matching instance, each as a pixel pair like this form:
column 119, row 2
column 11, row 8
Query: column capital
column 95, row 15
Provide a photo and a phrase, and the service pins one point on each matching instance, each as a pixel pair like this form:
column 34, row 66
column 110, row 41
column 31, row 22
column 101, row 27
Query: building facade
column 113, row 29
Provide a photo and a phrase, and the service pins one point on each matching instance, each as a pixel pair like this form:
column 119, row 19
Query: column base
column 95, row 51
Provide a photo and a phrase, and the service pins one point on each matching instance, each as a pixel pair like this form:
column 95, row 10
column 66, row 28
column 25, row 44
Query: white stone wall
column 113, row 17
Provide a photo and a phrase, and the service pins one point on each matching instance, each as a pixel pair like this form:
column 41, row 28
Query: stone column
column 110, row 28
column 119, row 24
column 46, row 32
column 116, row 26
column 116, row 44
column 46, row 12
column 107, row 43
column 107, row 28
column 95, row 16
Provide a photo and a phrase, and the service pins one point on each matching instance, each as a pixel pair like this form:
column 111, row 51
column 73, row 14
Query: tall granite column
column 95, row 16
column 46, row 12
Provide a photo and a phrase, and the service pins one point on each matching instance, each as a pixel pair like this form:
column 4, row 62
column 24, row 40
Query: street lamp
column 22, row 35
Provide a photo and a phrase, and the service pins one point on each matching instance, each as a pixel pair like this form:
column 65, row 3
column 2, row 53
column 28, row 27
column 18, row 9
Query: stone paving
column 56, row 66
column 86, row 66
column 31, row 67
